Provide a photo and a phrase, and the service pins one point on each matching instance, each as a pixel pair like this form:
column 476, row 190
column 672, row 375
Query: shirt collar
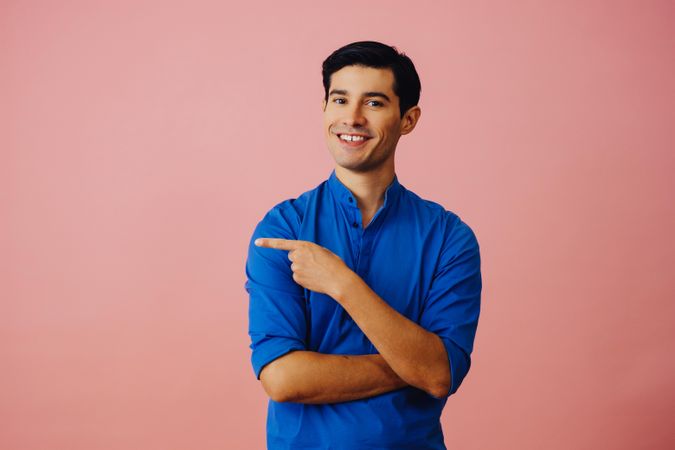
column 346, row 198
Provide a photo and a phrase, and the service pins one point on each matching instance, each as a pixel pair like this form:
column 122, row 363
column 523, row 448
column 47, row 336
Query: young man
column 364, row 297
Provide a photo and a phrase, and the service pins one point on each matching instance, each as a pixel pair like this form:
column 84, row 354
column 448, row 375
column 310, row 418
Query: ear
column 410, row 119
column 323, row 103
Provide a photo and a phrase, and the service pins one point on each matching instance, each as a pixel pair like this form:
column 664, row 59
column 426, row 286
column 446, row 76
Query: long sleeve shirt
column 423, row 260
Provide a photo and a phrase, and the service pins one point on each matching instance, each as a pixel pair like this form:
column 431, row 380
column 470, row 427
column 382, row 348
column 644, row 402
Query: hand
column 314, row 267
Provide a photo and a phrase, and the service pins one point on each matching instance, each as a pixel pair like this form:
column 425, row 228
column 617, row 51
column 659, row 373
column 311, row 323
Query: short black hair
column 374, row 54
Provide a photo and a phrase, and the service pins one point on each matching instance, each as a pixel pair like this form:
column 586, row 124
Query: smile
column 352, row 140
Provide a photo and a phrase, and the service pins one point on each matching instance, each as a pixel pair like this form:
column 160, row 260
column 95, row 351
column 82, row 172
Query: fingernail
column 257, row 242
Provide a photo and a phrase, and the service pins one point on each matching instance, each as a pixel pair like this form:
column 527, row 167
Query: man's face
column 361, row 102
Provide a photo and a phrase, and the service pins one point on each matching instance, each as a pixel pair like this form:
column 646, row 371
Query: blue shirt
column 421, row 259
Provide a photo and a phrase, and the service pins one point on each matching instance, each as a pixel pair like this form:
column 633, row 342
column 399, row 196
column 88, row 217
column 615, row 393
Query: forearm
column 415, row 354
column 311, row 377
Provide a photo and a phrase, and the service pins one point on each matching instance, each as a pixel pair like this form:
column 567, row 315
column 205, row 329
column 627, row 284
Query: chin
column 355, row 166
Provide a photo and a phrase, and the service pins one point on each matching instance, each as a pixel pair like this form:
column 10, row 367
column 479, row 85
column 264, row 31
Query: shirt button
column 355, row 225
column 350, row 199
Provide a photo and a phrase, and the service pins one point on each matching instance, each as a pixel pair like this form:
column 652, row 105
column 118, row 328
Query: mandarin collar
column 345, row 196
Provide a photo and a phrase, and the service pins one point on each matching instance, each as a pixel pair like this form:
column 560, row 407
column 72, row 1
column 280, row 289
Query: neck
column 368, row 188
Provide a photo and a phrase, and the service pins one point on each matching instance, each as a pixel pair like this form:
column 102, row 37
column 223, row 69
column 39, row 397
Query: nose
column 354, row 116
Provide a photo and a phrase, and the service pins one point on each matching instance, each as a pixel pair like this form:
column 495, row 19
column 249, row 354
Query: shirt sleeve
column 277, row 312
column 452, row 305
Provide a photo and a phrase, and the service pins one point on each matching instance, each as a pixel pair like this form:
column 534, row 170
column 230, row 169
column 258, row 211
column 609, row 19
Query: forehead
column 357, row 79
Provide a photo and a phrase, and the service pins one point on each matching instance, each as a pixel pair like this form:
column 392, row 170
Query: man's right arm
column 310, row 377
column 278, row 329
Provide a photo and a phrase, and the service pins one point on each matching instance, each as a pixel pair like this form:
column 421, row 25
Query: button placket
column 363, row 263
column 357, row 233
column 366, row 244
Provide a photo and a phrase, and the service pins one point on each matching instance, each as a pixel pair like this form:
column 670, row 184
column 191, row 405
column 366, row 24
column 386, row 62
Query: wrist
column 346, row 285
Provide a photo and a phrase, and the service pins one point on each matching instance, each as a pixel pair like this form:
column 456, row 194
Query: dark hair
column 375, row 54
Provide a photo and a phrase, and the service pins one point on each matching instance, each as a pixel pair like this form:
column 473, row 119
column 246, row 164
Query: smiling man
column 364, row 297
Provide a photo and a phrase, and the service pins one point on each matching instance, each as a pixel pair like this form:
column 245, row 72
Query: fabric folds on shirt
column 423, row 260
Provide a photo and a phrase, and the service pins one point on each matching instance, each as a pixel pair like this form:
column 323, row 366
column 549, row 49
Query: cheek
column 327, row 125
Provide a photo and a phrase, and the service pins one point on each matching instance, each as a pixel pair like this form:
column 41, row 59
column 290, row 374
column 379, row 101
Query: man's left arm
column 418, row 356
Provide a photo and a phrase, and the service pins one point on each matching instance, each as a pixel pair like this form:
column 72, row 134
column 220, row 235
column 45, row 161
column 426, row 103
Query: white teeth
column 346, row 137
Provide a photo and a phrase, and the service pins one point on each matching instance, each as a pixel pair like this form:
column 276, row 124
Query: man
column 364, row 298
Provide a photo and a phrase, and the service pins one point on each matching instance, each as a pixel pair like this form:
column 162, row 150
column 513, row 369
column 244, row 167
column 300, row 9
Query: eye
column 375, row 101
column 335, row 100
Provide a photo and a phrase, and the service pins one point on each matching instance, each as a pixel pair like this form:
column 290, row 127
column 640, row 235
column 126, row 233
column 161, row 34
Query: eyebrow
column 365, row 94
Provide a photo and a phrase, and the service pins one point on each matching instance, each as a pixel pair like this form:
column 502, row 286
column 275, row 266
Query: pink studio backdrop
column 141, row 142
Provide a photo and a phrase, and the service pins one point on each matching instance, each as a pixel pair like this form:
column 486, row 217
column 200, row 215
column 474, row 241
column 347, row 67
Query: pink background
column 141, row 142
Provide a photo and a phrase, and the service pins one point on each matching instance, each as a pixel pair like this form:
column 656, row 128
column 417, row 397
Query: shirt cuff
column 271, row 349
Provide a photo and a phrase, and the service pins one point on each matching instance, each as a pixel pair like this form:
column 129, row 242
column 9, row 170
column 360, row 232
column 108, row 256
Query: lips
column 352, row 144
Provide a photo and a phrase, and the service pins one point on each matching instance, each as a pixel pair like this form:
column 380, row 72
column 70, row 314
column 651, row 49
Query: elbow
column 439, row 391
column 440, row 386
column 273, row 381
column 278, row 395
column 435, row 377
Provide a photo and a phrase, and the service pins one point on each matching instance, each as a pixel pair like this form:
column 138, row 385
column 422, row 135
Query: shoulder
column 280, row 221
column 457, row 234
column 284, row 219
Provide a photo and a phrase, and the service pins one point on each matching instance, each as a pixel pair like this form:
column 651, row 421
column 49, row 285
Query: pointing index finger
column 281, row 244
